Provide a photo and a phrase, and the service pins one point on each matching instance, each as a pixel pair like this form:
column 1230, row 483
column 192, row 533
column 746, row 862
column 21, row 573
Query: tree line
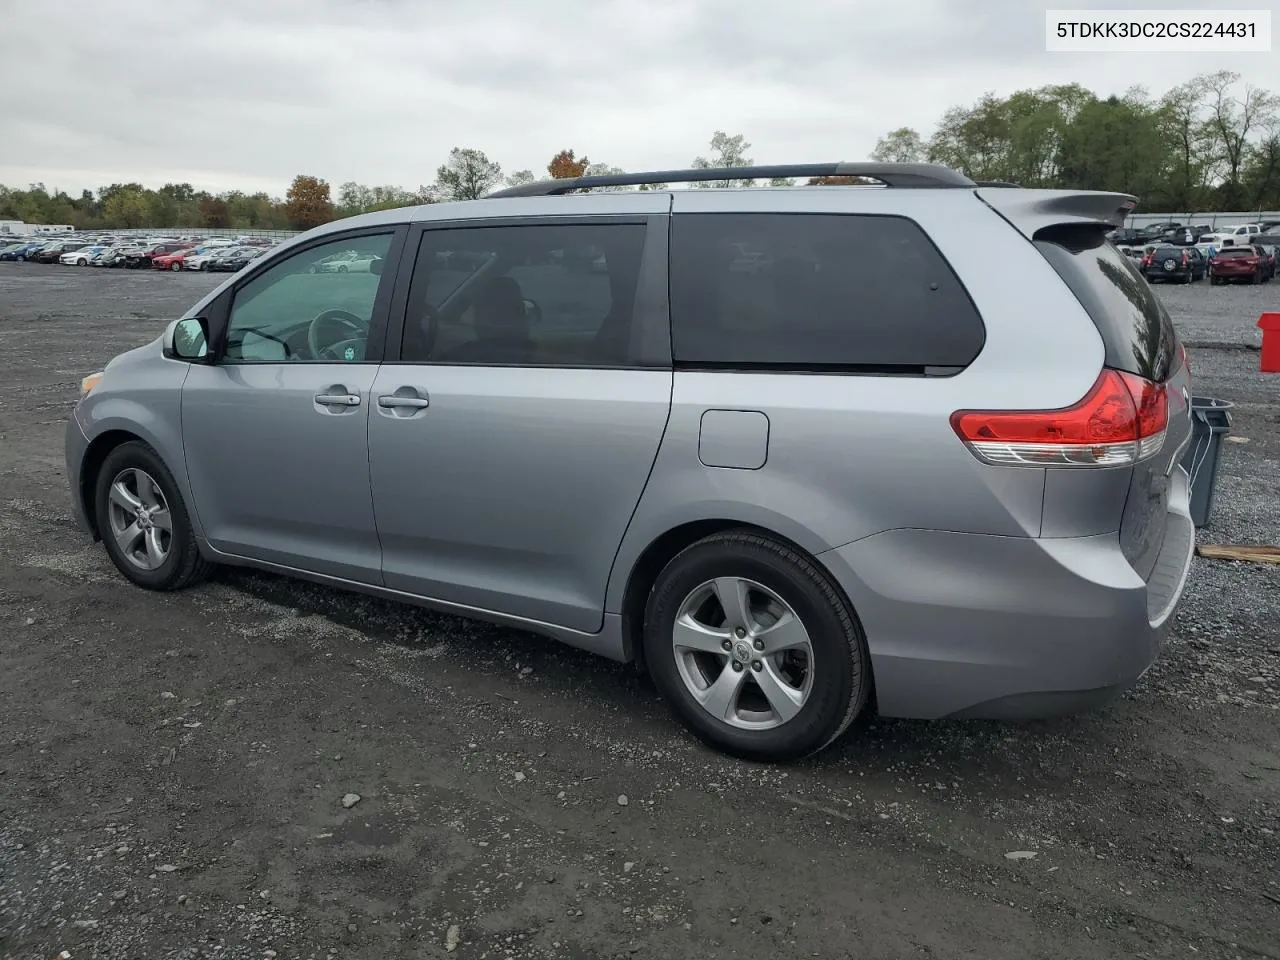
column 1212, row 143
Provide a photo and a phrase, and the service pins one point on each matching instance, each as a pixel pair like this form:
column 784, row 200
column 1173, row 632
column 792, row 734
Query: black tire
column 184, row 565
column 841, row 665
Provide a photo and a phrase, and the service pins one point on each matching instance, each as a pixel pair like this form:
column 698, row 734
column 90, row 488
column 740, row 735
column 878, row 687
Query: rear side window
column 1135, row 327
column 855, row 293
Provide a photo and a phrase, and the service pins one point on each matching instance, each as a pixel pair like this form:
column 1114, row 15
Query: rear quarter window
column 837, row 292
column 1136, row 329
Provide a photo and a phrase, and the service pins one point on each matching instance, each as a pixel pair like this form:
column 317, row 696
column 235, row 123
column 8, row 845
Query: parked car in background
column 351, row 261
column 236, row 261
column 114, row 256
column 659, row 468
column 1126, row 236
column 201, row 260
column 173, row 259
column 1237, row 263
column 1237, row 233
column 1170, row 264
column 1158, row 232
column 54, row 251
column 24, row 251
column 137, row 259
column 81, row 256
column 1268, row 254
column 10, row 250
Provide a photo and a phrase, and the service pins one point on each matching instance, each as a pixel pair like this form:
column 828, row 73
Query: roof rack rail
column 890, row 174
column 997, row 183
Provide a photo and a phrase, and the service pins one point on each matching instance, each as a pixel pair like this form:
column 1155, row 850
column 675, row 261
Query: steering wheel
column 350, row 347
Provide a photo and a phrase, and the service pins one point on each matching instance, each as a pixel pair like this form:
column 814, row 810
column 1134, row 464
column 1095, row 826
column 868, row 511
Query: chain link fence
column 1139, row 220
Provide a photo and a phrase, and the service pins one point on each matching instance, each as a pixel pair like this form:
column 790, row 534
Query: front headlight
column 89, row 382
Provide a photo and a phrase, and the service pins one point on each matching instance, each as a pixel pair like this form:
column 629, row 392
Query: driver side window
column 312, row 307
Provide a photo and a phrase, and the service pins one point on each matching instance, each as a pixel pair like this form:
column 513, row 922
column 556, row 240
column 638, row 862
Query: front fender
column 140, row 394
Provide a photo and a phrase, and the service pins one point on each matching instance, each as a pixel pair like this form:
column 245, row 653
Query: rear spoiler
column 1032, row 210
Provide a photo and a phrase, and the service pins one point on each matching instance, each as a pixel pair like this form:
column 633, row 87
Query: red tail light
column 1120, row 421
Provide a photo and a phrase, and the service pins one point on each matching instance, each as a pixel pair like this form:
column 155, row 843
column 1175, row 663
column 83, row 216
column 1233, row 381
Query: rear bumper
column 964, row 625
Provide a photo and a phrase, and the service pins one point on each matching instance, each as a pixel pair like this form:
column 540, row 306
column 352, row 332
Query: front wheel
column 143, row 522
column 755, row 648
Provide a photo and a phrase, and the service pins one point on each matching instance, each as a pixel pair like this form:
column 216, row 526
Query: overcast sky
column 246, row 93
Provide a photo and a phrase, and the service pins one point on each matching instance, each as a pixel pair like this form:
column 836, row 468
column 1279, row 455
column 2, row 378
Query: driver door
column 276, row 427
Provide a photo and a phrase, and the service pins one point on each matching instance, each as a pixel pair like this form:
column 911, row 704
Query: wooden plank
column 1251, row 553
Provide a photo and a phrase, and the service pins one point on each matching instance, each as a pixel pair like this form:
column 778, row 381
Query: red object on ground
column 1269, row 361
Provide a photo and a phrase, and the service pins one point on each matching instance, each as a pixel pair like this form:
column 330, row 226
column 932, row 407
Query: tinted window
column 296, row 311
column 816, row 291
column 1163, row 253
column 1230, row 252
column 1135, row 327
column 544, row 295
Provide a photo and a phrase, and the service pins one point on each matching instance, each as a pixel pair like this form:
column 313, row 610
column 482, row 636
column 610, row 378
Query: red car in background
column 171, row 260
column 1249, row 264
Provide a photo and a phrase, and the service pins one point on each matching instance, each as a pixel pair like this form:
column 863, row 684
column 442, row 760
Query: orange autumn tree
column 565, row 165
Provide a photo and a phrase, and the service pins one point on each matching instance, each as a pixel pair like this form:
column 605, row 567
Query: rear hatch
column 1138, row 334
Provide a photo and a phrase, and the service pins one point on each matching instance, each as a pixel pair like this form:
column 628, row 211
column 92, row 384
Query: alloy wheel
column 743, row 653
column 139, row 518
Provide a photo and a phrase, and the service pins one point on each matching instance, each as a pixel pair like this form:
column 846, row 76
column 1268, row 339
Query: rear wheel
column 755, row 648
column 143, row 522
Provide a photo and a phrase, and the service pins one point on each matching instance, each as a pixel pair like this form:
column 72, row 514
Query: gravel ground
column 173, row 768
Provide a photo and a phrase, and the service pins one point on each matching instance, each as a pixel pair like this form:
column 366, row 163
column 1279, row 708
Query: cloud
column 246, row 93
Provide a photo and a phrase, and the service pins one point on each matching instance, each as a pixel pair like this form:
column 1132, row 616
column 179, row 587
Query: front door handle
column 338, row 399
column 391, row 401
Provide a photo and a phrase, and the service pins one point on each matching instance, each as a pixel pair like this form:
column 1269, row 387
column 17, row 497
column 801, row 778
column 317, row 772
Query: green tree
column 899, row 146
column 1234, row 114
column 468, row 175
column 215, row 212
column 127, row 207
column 726, row 151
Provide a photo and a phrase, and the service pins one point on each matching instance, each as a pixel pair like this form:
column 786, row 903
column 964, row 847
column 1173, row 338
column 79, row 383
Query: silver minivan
column 797, row 451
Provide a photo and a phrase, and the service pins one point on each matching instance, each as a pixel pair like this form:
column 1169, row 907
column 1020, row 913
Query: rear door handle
column 391, row 401
column 338, row 399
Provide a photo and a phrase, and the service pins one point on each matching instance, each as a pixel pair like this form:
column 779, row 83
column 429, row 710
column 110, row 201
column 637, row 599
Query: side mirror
column 188, row 340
